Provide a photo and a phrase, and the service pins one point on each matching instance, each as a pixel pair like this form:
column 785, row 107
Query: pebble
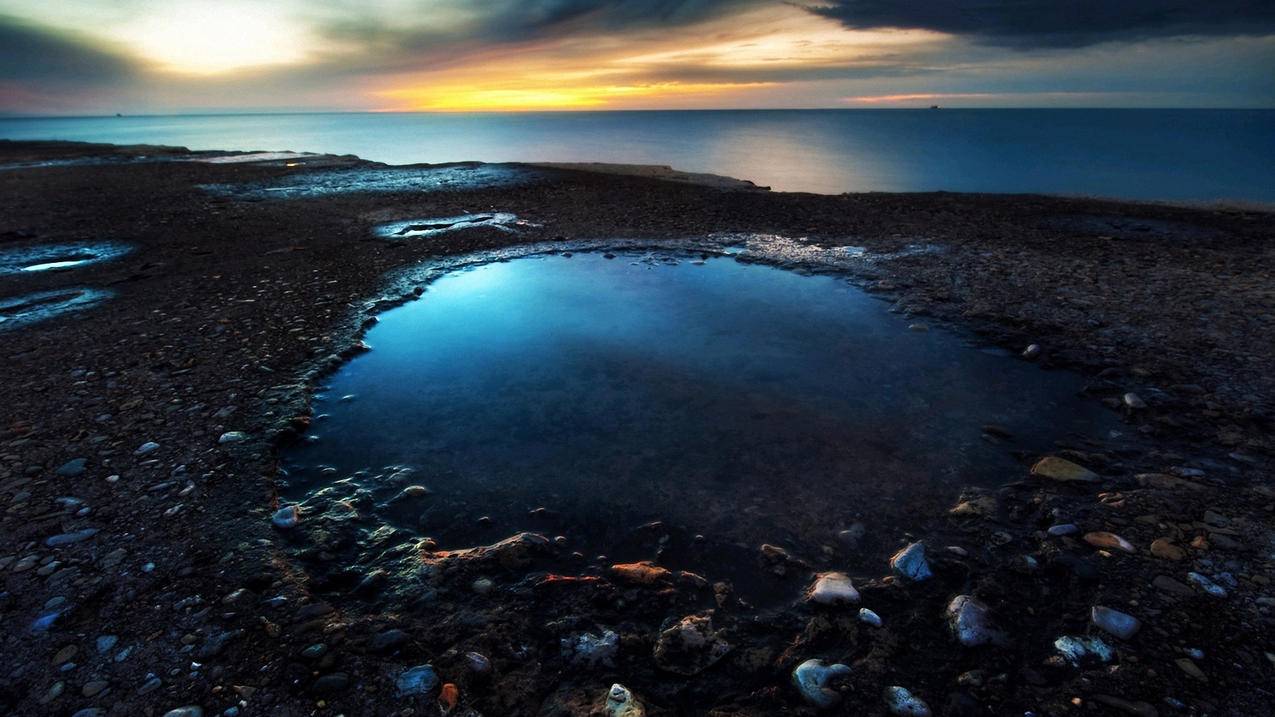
column 811, row 679
column 1114, row 622
column 232, row 437
column 188, row 711
column 910, row 563
column 331, row 684
column 1191, row 669
column 151, row 684
column 1063, row 470
column 1032, row 352
column 690, row 647
column 73, row 467
column 388, row 640
column 1075, row 649
column 286, row 517
column 590, row 650
column 1063, row 529
column 1207, row 585
column 418, row 680
column 70, row 538
column 478, row 663
column 833, row 589
column 94, row 687
column 903, row 703
column 1164, row 549
column 146, row 448
column 1108, row 541
column 869, row 617
column 621, row 702
column 1133, row 401
column 970, row 621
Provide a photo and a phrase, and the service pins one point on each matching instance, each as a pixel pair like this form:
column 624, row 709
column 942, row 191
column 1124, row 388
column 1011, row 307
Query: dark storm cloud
column 35, row 55
column 1059, row 23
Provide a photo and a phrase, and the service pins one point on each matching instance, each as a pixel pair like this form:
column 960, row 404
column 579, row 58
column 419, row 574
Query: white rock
column 811, row 678
column 971, row 621
column 146, row 448
column 1134, row 401
column 833, row 589
column 869, row 617
column 232, row 437
column 910, row 563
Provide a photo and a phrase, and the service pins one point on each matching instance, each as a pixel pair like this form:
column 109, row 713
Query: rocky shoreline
column 139, row 451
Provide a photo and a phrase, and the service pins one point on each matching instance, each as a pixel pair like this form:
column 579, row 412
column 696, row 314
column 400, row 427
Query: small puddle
column 51, row 257
column 655, row 405
column 432, row 227
column 19, row 311
column 388, row 179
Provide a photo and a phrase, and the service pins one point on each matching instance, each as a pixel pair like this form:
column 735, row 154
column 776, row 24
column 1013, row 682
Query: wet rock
column 418, row 680
column 70, row 538
column 590, row 650
column 640, row 573
column 811, row 679
column 1063, row 529
column 188, row 711
column 1109, row 541
column 833, row 589
column 1207, row 585
column 286, row 517
column 73, row 467
column 903, row 703
column 869, row 617
column 146, row 448
column 1063, row 470
column 1077, row 649
column 910, row 563
column 331, row 684
column 232, row 437
column 1164, row 549
column 1114, row 622
column 690, row 647
column 388, row 640
column 970, row 622
column 620, row 702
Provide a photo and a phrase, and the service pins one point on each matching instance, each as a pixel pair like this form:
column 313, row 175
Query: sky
column 76, row 57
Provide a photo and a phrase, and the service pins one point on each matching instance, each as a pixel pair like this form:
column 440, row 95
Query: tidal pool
column 437, row 178
column 736, row 403
column 52, row 257
column 19, row 311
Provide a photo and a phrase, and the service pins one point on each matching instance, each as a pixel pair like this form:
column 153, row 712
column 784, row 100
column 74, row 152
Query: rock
column 980, row 506
column 811, row 679
column 690, row 647
column 1164, row 583
column 418, row 680
column 910, row 563
column 589, row 650
column 1133, row 401
column 1114, row 622
column 286, row 517
column 1164, row 549
column 869, row 617
column 1207, row 585
column 73, row 467
column 232, row 437
column 1191, row 669
column 620, row 702
column 516, row 551
column 833, row 589
column 850, row 537
column 903, row 703
column 1109, row 541
column 94, row 687
column 1063, row 470
column 1137, row 709
column 70, row 538
column 331, row 684
column 1032, row 352
column 482, row 586
column 188, row 711
column 478, row 663
column 1078, row 649
column 641, row 573
column 105, row 643
column 970, row 621
column 387, row 640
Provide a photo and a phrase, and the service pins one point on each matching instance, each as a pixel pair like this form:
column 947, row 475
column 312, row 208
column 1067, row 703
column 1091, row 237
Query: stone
column 1076, row 649
column 1133, row 401
column 690, row 647
column 833, row 589
column 232, row 437
column 811, row 679
column 70, row 538
column 591, row 650
column 1032, row 352
column 73, row 467
column 1063, row 470
column 1114, row 622
column 1166, row 584
column 1164, row 549
column 94, row 687
column 1108, row 541
column 979, row 506
column 286, row 517
column 1191, row 669
column 641, row 573
column 910, row 563
column 418, row 680
column 869, row 617
column 146, row 448
column 971, row 621
column 516, row 551
column 903, row 703
column 1137, row 709
column 331, row 684
column 188, row 711
column 388, row 640
column 1207, row 585
column 1063, row 529
column 620, row 702
column 850, row 537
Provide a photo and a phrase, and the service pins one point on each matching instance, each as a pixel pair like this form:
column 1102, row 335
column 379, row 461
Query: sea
column 1189, row 155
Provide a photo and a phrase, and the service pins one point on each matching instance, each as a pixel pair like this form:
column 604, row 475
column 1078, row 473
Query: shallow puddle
column 413, row 228
column 389, row 179
column 735, row 402
column 19, row 311
column 51, row 257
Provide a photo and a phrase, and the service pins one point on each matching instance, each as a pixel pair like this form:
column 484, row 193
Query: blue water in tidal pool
column 737, row 401
column 1172, row 154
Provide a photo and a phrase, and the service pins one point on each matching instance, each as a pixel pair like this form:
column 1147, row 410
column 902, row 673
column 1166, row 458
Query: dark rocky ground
column 187, row 596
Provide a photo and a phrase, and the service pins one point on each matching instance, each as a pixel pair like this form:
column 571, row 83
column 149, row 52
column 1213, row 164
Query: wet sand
column 232, row 305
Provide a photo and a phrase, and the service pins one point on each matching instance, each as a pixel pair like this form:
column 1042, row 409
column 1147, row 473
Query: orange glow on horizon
column 515, row 99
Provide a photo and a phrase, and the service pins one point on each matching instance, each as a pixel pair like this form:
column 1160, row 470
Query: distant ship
column 934, row 107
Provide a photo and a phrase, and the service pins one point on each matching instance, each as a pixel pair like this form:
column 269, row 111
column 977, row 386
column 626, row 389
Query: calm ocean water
column 1136, row 154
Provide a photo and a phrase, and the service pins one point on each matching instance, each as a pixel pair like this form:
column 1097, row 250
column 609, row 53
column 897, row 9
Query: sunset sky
column 141, row 56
